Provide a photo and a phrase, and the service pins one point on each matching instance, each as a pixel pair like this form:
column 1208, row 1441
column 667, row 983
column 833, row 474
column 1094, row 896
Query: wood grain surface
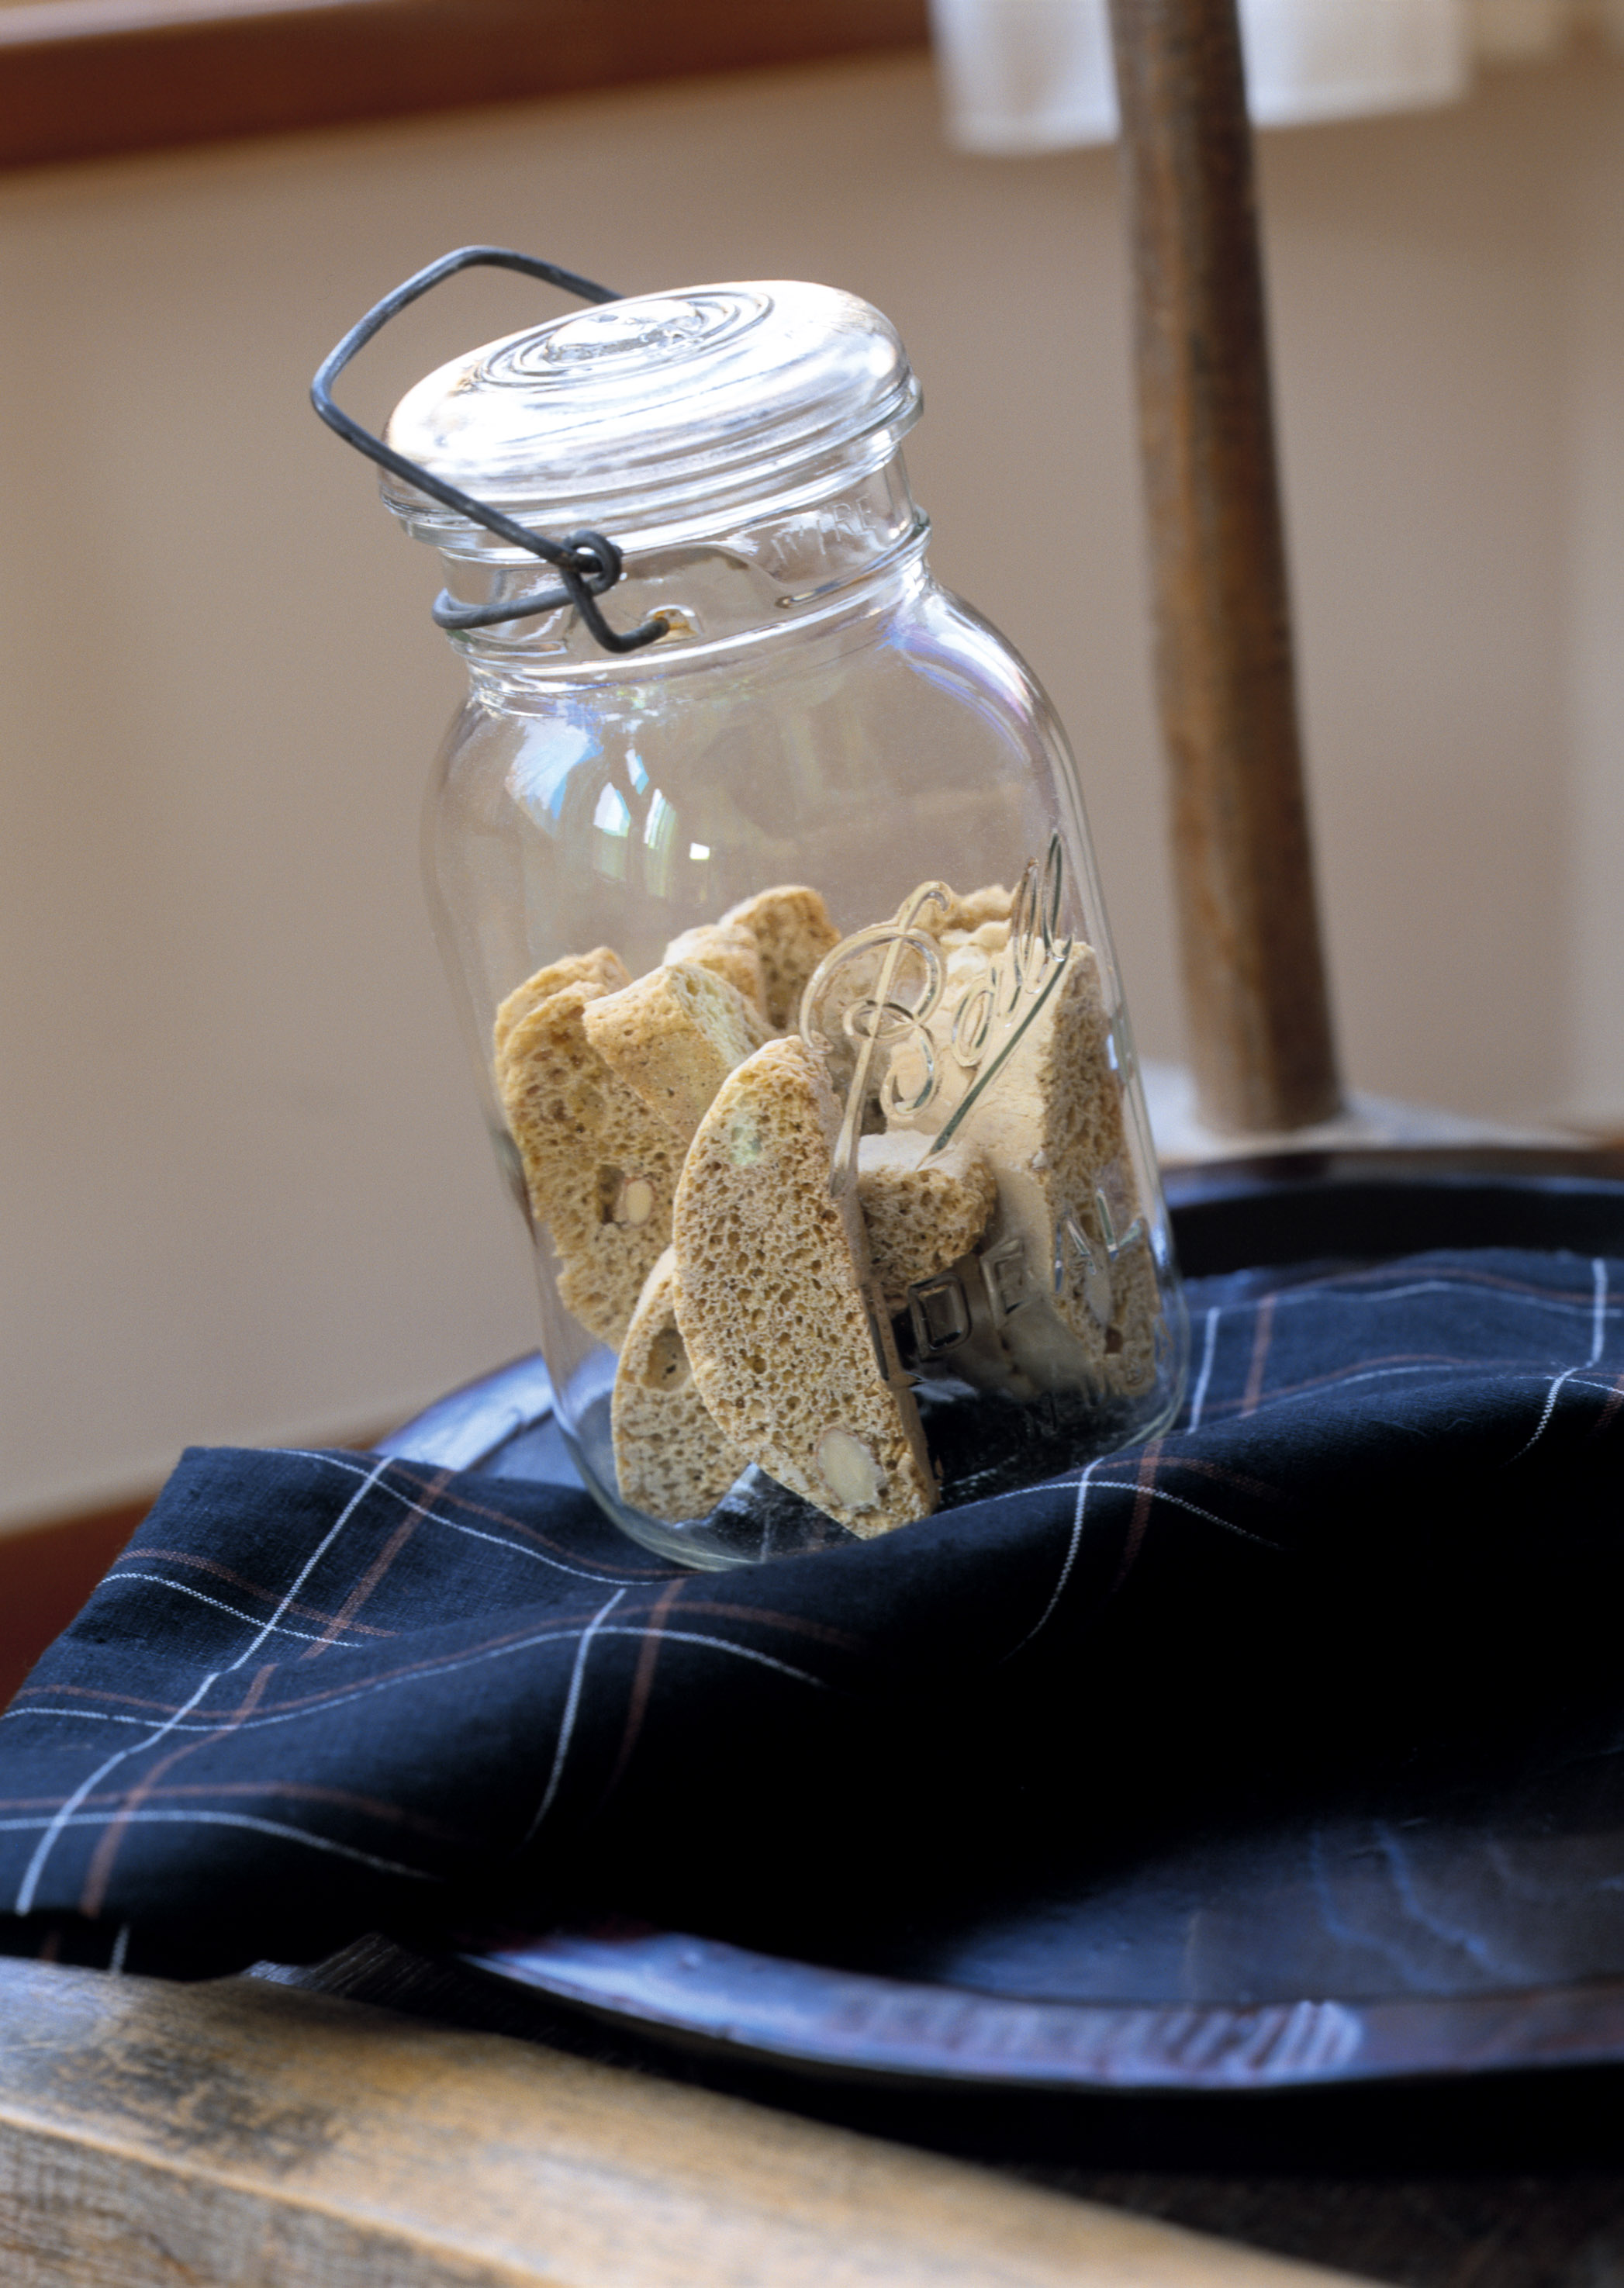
column 88, row 78
column 1255, row 989
column 259, row 2136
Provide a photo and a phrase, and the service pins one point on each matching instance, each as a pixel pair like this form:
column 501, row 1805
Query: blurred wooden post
column 1254, row 987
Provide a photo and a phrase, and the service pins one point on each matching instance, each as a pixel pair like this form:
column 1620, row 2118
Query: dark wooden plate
column 1456, row 1910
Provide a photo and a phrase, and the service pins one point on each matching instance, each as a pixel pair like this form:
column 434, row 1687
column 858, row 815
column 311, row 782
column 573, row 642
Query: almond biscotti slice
column 994, row 903
column 602, row 967
column 599, row 1169
column 987, row 938
column 1050, row 1122
column 674, row 1036
column 730, row 949
column 774, row 1305
column 793, row 932
column 920, row 1219
column 671, row 1457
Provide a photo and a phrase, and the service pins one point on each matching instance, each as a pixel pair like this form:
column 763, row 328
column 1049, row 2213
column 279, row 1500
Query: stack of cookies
column 679, row 1142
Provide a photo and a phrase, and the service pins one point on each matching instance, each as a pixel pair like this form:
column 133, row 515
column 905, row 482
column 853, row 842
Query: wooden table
column 256, row 2133
column 257, row 2136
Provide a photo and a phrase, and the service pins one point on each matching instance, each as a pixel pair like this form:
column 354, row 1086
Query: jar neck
column 758, row 582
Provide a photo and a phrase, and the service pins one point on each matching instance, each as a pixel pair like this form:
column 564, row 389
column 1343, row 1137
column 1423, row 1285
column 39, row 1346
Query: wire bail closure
column 587, row 563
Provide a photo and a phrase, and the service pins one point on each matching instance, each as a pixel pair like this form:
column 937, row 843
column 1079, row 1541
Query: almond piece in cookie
column 599, row 1169
column 795, row 1362
column 670, row 1458
column 793, row 932
column 602, row 967
column 674, row 1036
column 920, row 1217
column 730, row 949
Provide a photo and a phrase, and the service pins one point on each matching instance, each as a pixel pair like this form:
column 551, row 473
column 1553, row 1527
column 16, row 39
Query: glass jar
column 778, row 946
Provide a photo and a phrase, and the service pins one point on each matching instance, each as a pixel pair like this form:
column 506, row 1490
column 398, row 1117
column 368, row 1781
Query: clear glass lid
column 657, row 417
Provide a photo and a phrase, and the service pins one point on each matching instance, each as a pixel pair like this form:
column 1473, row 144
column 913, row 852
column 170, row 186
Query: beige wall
column 246, row 1194
column 1594, row 506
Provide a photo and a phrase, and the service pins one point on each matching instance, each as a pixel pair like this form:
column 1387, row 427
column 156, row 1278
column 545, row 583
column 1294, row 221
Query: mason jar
column 777, row 944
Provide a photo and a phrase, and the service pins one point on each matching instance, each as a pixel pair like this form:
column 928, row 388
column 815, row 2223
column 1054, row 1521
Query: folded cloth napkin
column 325, row 1693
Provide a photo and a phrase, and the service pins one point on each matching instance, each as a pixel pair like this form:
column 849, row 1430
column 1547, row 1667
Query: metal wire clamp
column 587, row 563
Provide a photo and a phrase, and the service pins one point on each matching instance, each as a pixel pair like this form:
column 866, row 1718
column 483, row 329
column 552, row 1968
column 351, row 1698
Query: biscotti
column 793, row 932
column 994, row 903
column 730, row 949
column 774, row 1301
column 674, row 1036
column 602, row 967
column 1064, row 1236
column 920, row 1219
column 756, row 1217
column 599, row 1168
column 672, row 1456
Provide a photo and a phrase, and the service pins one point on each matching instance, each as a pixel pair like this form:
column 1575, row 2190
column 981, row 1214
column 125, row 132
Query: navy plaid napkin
column 321, row 1694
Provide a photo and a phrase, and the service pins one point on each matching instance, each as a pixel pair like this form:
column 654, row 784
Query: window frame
column 92, row 79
